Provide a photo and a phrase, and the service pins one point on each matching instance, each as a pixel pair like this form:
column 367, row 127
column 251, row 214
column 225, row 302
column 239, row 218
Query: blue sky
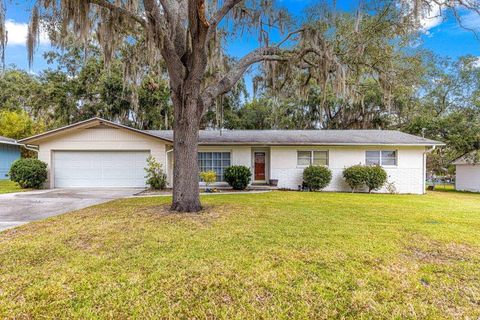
column 442, row 36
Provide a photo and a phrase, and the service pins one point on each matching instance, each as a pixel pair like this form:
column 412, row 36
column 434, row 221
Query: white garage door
column 99, row 168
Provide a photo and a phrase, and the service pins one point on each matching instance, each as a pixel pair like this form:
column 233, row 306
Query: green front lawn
column 271, row 255
column 7, row 186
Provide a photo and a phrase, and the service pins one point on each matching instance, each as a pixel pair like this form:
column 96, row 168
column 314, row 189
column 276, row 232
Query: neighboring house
column 100, row 153
column 9, row 152
column 467, row 176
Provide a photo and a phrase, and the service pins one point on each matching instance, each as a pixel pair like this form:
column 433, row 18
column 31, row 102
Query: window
column 382, row 158
column 320, row 158
column 316, row 158
column 304, row 158
column 389, row 158
column 214, row 161
column 373, row 158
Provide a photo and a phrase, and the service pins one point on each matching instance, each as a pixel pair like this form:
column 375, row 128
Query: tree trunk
column 186, row 197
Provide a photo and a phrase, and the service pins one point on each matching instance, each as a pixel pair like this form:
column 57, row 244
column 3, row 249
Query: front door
column 260, row 166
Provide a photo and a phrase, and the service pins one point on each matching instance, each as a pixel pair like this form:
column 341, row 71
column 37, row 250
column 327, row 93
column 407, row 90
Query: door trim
column 264, row 166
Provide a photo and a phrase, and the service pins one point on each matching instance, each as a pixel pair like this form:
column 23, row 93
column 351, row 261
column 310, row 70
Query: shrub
column 238, row 177
column 29, row 173
column 391, row 188
column 316, row 177
column 156, row 178
column 375, row 178
column 208, row 177
column 355, row 176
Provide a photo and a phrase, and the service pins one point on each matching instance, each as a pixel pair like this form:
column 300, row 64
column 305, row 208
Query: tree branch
column 218, row 16
column 112, row 7
column 175, row 12
column 289, row 36
column 157, row 22
column 229, row 80
column 224, row 10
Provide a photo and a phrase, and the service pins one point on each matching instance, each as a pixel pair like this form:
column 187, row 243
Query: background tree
column 17, row 90
column 98, row 91
column 76, row 87
column 449, row 111
column 362, row 78
column 18, row 124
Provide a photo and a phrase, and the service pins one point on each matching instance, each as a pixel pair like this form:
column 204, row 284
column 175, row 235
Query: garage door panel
column 123, row 183
column 100, row 168
column 77, row 174
column 112, row 174
column 78, row 182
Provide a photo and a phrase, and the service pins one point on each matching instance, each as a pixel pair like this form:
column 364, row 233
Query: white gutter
column 31, row 148
column 425, row 166
column 166, row 164
column 316, row 144
column 26, row 146
column 14, row 143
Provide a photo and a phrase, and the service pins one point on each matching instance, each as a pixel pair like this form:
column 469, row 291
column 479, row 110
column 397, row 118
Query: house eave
column 316, row 144
column 11, row 143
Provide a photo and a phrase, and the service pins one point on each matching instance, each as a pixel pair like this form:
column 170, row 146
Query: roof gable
column 472, row 158
column 87, row 124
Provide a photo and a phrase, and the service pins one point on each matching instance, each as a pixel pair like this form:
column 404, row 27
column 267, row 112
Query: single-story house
column 100, row 153
column 467, row 174
column 9, row 152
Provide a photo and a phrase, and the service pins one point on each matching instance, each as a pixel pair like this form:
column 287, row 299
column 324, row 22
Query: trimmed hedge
column 316, row 177
column 28, row 173
column 355, row 176
column 358, row 176
column 376, row 178
column 238, row 177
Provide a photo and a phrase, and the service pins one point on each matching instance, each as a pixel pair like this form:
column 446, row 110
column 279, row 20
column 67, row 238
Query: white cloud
column 431, row 19
column 476, row 63
column 471, row 20
column 17, row 33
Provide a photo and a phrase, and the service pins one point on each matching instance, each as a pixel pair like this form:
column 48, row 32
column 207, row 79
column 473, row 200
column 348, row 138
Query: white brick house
column 99, row 153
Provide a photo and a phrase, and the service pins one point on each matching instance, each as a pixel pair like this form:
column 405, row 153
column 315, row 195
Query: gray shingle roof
column 7, row 140
column 468, row 158
column 305, row 137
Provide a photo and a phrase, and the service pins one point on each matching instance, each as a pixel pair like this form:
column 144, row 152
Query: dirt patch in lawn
column 431, row 251
column 206, row 216
column 448, row 272
column 444, row 275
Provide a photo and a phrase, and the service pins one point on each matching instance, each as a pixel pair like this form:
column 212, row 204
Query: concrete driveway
column 20, row 208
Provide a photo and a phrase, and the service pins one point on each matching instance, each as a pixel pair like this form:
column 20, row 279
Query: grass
column 7, row 186
column 445, row 187
column 272, row 255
